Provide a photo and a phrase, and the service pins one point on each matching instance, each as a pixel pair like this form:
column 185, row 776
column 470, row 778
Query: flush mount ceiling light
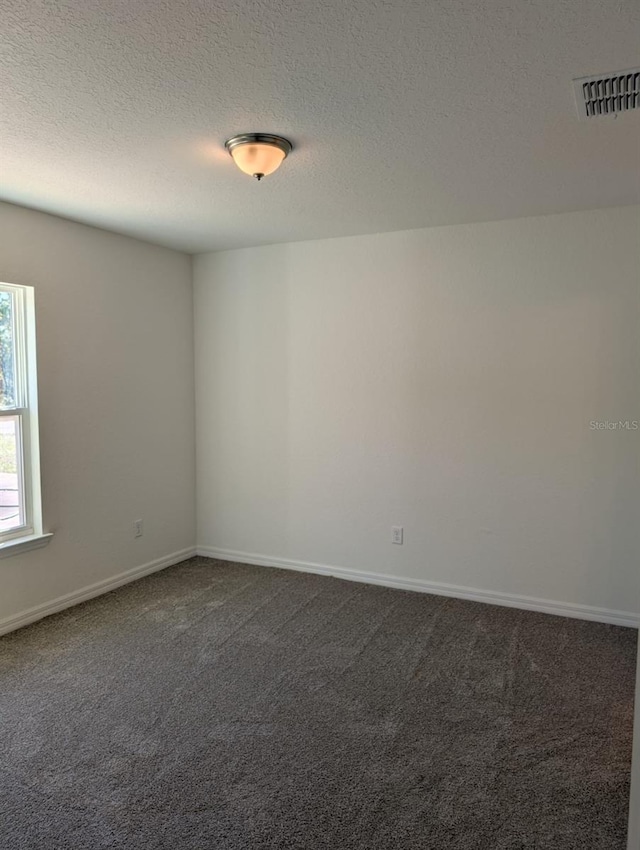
column 258, row 154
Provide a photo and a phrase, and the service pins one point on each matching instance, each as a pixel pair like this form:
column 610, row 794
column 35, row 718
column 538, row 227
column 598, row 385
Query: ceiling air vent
column 607, row 94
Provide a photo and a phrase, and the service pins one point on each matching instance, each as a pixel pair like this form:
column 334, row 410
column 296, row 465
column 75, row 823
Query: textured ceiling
column 403, row 113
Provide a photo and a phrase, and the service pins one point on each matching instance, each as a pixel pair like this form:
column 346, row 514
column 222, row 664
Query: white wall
column 443, row 380
column 115, row 358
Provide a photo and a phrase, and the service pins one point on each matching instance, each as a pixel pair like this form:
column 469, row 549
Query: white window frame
column 29, row 535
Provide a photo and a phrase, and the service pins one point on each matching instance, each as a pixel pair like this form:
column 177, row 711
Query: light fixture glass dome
column 258, row 154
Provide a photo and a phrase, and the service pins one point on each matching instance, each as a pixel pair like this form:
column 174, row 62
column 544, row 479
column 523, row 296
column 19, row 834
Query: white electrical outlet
column 137, row 528
column 397, row 534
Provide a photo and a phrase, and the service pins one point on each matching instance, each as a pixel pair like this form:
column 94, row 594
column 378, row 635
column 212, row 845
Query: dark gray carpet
column 216, row 707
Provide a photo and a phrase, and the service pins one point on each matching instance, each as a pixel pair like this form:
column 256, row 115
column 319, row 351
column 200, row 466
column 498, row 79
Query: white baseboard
column 9, row 624
column 510, row 600
column 530, row 603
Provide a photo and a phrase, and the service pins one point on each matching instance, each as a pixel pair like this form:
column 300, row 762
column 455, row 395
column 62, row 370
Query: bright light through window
column 7, row 350
column 11, row 490
column 20, row 509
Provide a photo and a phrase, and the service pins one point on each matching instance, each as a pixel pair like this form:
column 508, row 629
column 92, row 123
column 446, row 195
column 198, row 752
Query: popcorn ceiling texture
column 404, row 114
column 218, row 705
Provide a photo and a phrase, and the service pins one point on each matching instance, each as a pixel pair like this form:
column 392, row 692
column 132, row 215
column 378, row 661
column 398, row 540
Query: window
column 20, row 506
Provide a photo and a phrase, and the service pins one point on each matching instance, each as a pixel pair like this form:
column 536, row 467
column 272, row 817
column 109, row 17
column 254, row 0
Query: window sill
column 23, row 544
